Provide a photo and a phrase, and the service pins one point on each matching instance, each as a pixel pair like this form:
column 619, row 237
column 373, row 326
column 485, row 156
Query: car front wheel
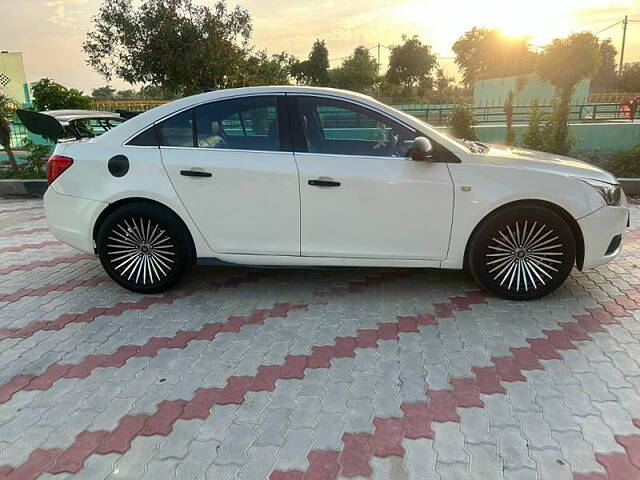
column 522, row 252
column 144, row 247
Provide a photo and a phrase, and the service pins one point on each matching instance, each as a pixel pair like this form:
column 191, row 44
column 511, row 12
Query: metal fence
column 139, row 105
column 441, row 114
column 19, row 134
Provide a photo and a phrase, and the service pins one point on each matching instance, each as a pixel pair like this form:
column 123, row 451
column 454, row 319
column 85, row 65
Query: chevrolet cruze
column 298, row 176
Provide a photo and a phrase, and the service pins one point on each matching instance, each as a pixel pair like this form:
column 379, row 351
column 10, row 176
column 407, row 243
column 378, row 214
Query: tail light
column 56, row 167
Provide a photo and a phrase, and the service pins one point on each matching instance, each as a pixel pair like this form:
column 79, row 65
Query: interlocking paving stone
column 385, row 373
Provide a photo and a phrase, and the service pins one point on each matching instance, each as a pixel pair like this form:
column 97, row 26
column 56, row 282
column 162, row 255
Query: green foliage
column 567, row 61
column 411, row 63
column 484, row 53
column 314, row 70
column 177, row 44
column 262, row 69
column 534, row 135
column 557, row 136
column 442, row 82
column 49, row 95
column 37, row 156
column 630, row 78
column 154, row 92
column 510, row 137
column 7, row 109
column 35, row 167
column 564, row 63
column 103, row 93
column 126, row 94
column 461, row 122
column 541, row 133
column 358, row 72
column 623, row 164
column 606, row 77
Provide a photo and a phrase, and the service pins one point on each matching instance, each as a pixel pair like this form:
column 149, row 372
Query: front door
column 231, row 164
column 361, row 197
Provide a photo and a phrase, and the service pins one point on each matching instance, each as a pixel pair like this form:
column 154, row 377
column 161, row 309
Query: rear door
column 231, row 163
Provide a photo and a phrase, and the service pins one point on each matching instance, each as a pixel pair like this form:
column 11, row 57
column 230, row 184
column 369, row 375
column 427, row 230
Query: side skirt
column 295, row 261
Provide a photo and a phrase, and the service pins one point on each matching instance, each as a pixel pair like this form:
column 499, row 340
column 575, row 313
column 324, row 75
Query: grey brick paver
column 449, row 443
column 546, row 427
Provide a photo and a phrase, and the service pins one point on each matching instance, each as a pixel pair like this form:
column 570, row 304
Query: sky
column 50, row 32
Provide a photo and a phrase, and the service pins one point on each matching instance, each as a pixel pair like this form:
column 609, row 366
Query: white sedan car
column 298, row 176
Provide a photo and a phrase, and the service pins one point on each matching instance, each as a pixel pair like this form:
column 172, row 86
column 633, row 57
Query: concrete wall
column 12, row 69
column 494, row 91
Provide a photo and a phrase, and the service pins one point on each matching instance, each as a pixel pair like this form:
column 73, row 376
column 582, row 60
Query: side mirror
column 421, row 150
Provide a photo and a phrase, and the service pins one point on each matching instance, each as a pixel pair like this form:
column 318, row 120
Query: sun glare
column 541, row 21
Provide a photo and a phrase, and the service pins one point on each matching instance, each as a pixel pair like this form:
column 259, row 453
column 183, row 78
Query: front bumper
column 598, row 230
column 71, row 219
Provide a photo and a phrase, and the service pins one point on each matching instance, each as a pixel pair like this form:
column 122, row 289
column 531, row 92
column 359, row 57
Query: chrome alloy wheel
column 524, row 256
column 141, row 252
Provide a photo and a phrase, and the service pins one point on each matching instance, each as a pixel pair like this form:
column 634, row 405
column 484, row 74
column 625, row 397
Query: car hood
column 548, row 162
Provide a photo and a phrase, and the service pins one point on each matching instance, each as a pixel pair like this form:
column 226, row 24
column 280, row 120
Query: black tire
column 522, row 252
column 145, row 247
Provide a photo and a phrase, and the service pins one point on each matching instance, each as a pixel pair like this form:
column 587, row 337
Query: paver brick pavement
column 294, row 374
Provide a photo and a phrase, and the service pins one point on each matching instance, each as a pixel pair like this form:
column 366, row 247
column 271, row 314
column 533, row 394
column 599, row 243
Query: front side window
column 249, row 123
column 341, row 128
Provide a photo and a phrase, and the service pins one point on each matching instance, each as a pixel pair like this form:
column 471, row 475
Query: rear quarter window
column 148, row 138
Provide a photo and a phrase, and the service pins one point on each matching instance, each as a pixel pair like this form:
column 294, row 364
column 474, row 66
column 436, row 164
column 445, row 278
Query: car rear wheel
column 522, row 252
column 144, row 247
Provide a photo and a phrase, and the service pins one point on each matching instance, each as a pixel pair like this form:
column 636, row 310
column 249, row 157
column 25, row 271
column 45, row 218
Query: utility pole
column 625, row 22
column 378, row 58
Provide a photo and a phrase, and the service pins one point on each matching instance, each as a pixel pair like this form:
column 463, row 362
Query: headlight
column 609, row 191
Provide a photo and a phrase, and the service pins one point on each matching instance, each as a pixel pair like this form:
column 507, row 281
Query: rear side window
column 177, row 131
column 249, row 123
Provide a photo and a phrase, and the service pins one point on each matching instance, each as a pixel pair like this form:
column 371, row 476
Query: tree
column 49, row 95
column 630, row 78
column 605, row 78
column 103, row 93
column 442, row 82
column 358, row 72
column 155, row 93
column 314, row 70
column 461, row 122
column 262, row 69
column 176, row 44
column 126, row 94
column 482, row 53
column 411, row 63
column 534, row 135
column 564, row 63
column 7, row 108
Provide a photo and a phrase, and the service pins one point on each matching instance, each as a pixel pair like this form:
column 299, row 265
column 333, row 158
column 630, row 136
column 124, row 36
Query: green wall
column 607, row 138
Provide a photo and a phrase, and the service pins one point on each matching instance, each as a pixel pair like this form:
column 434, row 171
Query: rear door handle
column 195, row 173
column 323, row 183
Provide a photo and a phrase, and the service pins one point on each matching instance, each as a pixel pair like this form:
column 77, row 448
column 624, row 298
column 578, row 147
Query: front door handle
column 323, row 183
column 194, row 173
